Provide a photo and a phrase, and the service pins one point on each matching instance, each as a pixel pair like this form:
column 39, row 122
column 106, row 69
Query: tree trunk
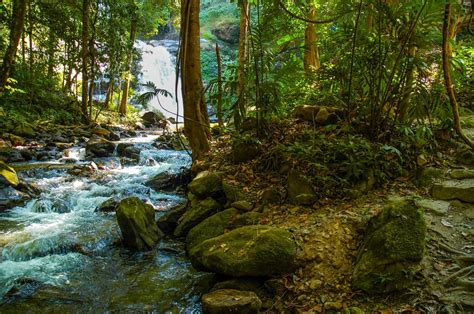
column 192, row 88
column 126, row 83
column 240, row 111
column 85, row 57
column 16, row 30
column 219, row 86
column 448, row 35
column 311, row 49
column 51, row 52
column 110, row 92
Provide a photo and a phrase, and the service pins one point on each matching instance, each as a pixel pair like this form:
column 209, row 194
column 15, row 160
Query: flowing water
column 58, row 253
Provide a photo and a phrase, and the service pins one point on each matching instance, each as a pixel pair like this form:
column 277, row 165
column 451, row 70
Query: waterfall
column 159, row 66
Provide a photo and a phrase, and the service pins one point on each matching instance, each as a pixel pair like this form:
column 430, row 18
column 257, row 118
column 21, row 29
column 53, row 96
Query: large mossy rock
column 137, row 223
column 392, row 250
column 218, row 224
column 245, row 149
column 256, row 251
column 300, row 190
column 206, row 184
column 462, row 190
column 199, row 211
column 211, row 227
column 226, row 301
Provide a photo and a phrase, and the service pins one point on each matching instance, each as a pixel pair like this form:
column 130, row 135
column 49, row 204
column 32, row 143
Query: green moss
column 195, row 214
column 206, row 184
column 393, row 248
column 247, row 251
column 137, row 223
column 211, row 227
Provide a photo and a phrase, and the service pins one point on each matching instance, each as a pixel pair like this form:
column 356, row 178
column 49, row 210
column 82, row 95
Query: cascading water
column 58, row 253
column 159, row 67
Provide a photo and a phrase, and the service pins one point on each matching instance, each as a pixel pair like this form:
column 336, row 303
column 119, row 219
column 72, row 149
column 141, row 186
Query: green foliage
column 338, row 160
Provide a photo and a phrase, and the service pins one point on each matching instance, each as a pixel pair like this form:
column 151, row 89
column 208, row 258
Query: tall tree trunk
column 219, row 86
column 85, row 57
column 126, row 83
column 16, row 30
column 311, row 49
column 240, row 111
column 192, row 88
column 110, row 92
column 448, row 35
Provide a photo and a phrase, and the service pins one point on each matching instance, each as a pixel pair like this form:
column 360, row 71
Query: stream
column 57, row 252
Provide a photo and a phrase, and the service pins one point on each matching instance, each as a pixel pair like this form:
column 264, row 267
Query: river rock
column 206, row 184
column 230, row 301
column 462, row 190
column 107, row 163
column 101, row 132
column 168, row 222
column 461, row 174
column 10, row 197
column 169, row 181
column 211, row 227
column 300, row 190
column 108, row 206
column 392, row 249
column 99, row 147
column 137, row 223
column 255, row 251
column 128, row 150
column 10, row 155
column 199, row 211
column 151, row 118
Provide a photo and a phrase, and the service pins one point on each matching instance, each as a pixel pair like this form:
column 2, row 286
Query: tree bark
column 311, row 50
column 195, row 123
column 85, row 57
column 240, row 111
column 126, row 83
column 16, row 30
column 219, row 86
column 448, row 34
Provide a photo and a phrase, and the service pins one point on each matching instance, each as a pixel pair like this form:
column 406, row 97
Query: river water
column 58, row 253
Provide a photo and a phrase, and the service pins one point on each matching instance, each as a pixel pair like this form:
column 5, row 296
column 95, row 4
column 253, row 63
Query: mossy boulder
column 300, row 190
column 137, row 223
column 462, row 190
column 199, row 211
column 218, row 224
column 230, row 301
column 206, row 184
column 245, row 149
column 255, row 251
column 392, row 250
column 211, row 227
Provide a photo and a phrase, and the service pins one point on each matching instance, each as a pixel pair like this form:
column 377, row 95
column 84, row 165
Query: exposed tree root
column 466, row 271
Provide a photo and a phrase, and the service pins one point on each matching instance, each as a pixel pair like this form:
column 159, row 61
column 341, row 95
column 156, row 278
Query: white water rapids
column 58, row 253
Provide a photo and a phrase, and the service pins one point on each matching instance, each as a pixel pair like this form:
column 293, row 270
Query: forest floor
column 330, row 232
